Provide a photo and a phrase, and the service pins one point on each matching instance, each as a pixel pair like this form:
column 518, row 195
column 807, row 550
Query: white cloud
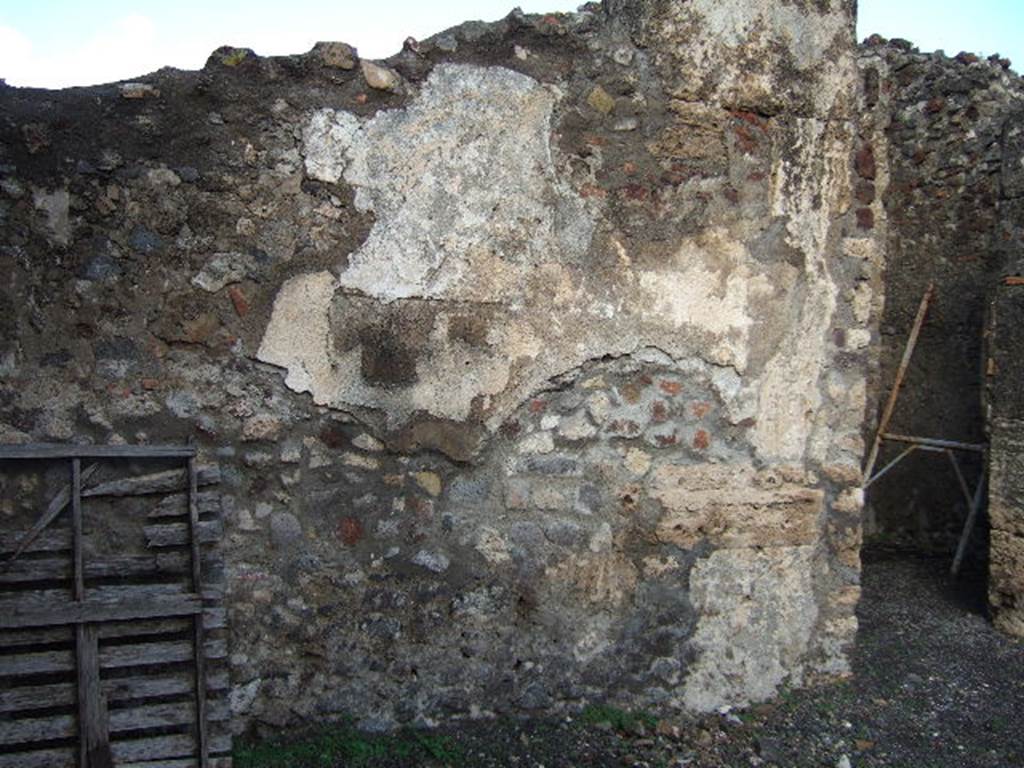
column 128, row 46
column 15, row 55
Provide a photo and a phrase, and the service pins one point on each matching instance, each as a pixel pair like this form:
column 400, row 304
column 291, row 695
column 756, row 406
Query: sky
column 61, row 43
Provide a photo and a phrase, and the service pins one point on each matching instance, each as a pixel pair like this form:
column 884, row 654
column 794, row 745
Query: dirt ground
column 934, row 686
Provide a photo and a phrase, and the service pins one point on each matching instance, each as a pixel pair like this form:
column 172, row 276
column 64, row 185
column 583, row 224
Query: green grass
column 235, row 57
column 619, row 719
column 343, row 745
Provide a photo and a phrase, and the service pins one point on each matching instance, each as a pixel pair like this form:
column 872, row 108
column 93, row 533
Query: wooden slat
column 67, row 451
column 144, row 716
column 114, row 657
column 213, row 618
column 177, row 534
column 110, row 566
column 24, row 571
column 202, row 732
column 42, row 662
column 123, row 689
column 17, row 638
column 144, row 628
column 122, row 612
column 26, row 730
column 167, row 652
column 30, row 729
column 176, row 505
column 95, row 609
column 64, row 758
column 163, row 747
column 127, row 566
column 148, row 654
column 50, row 727
column 50, row 540
column 33, row 697
column 55, row 507
column 168, row 481
column 186, row 762
column 14, row 601
column 93, row 726
column 46, row 758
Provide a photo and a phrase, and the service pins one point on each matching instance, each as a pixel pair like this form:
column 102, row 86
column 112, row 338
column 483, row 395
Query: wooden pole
column 974, row 505
column 890, row 406
column 93, row 731
column 197, row 620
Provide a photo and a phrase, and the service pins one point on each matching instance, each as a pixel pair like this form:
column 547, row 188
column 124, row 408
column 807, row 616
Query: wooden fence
column 113, row 647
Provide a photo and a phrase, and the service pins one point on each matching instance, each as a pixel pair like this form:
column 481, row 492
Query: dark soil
column 933, row 686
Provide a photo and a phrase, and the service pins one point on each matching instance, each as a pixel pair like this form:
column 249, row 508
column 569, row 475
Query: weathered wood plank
column 30, row 697
column 176, row 505
column 116, row 657
column 213, row 618
column 24, row 571
column 93, row 728
column 42, row 662
column 50, row 540
column 151, row 564
column 208, row 532
column 76, row 532
column 202, row 732
column 148, row 654
column 163, row 747
column 53, row 509
column 110, row 566
column 144, row 716
column 35, row 729
column 26, row 730
column 92, row 731
column 167, row 652
column 14, row 601
column 68, row 451
column 186, row 762
column 168, row 481
column 44, row 758
column 115, row 607
column 17, row 638
column 124, row 689
column 64, row 758
column 34, row 697
column 177, row 534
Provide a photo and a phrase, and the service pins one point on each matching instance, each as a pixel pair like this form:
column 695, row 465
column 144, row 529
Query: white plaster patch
column 470, row 212
column 757, row 614
column 807, row 192
column 462, row 183
column 56, row 207
column 324, row 141
column 734, row 22
column 728, row 27
column 298, row 336
column 709, row 287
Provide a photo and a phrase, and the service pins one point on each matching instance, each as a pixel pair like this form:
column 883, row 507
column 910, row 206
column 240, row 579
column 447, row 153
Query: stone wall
column 1006, row 428
column 942, row 152
column 535, row 358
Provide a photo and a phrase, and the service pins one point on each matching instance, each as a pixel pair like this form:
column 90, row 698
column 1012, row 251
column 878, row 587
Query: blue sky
column 57, row 43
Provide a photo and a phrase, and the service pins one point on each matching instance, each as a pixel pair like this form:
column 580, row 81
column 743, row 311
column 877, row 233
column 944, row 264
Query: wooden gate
column 112, row 625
